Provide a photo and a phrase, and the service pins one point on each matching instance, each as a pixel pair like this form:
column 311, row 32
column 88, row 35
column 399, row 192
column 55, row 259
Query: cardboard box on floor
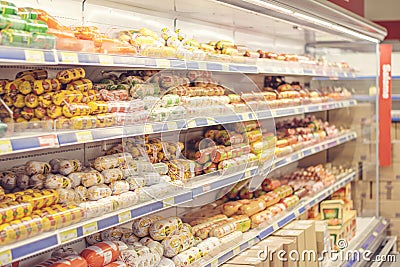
column 394, row 228
column 248, row 257
column 300, row 240
column 310, row 237
column 321, row 231
column 289, row 244
column 273, row 249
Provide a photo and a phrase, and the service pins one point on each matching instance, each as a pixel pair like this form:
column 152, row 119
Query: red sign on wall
column 355, row 6
column 385, row 105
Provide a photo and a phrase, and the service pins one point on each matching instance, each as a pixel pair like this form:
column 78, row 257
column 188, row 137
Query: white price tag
column 210, row 121
column 163, row 63
column 168, row 202
column 192, row 124
column 275, row 226
column 206, row 187
column 148, row 129
column 69, row 57
column 5, row 257
column 84, row 136
column 34, row 56
column 5, row 146
column 68, row 235
column 202, row 65
column 124, row 216
column 106, row 60
column 172, row 125
column 236, row 251
column 50, row 140
column 89, row 228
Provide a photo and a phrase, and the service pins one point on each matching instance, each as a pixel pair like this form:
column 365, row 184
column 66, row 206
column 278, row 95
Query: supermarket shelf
column 46, row 241
column 54, row 57
column 308, row 151
column 368, row 237
column 254, row 236
column 17, row 55
column 16, row 144
column 209, row 182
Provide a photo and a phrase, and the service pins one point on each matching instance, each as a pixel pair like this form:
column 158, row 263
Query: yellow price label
column 69, row 57
column 275, row 226
column 163, row 63
column 211, row 121
column 106, row 60
column 246, row 116
column 148, row 129
column 172, row 125
column 202, row 65
column 192, row 124
column 236, row 251
column 124, row 216
column 68, row 235
column 168, row 202
column 84, row 136
column 225, row 67
column 5, row 146
column 5, row 257
column 89, row 228
column 34, row 56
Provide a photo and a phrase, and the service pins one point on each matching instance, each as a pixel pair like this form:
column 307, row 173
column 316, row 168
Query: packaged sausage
column 129, row 238
column 232, row 237
column 223, row 229
column 80, row 85
column 174, row 244
column 69, row 261
column 112, row 175
column 113, row 234
column 63, row 252
column 112, row 161
column 253, row 207
column 101, row 254
column 119, row 187
column 141, row 226
column 210, row 219
column 93, row 238
column 290, row 201
column 165, row 262
column 203, row 232
column 260, row 217
column 37, row 74
column 159, row 230
column 13, row 210
column 66, row 167
column 66, row 196
column 67, row 76
column 232, row 207
column 270, row 198
column 48, row 262
column 97, row 192
column 57, row 181
column 208, row 245
column 36, row 167
column 284, row 191
column 91, row 178
column 187, row 257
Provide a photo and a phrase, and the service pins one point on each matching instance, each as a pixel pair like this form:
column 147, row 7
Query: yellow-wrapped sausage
column 80, row 85
column 67, row 76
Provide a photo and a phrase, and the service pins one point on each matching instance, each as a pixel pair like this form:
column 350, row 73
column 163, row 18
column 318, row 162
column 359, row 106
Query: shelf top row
column 16, row 144
column 53, row 57
column 47, row 241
